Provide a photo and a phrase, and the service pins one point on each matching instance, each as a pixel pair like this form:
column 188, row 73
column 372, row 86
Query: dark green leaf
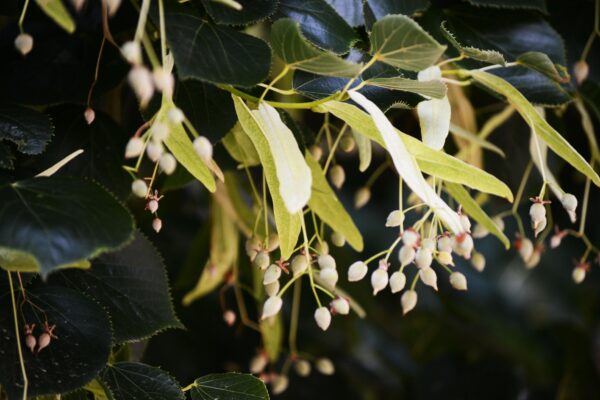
column 229, row 386
column 487, row 56
column 215, row 54
column 127, row 380
column 30, row 130
column 320, row 24
column 131, row 285
column 287, row 43
column 350, row 10
column 209, row 108
column 252, row 11
column 50, row 223
column 381, row 8
column 69, row 362
column 539, row 5
column 541, row 63
column 7, row 157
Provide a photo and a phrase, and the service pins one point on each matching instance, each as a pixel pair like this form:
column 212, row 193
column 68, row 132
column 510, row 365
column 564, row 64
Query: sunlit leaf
column 434, row 115
column 56, row 10
column 240, row 147
column 541, row 62
column 430, row 88
column 326, row 205
column 399, row 41
column 475, row 139
column 365, row 152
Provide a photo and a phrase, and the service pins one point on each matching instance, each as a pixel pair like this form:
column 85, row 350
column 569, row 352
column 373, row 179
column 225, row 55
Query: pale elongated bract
column 434, row 114
column 294, row 176
column 406, row 165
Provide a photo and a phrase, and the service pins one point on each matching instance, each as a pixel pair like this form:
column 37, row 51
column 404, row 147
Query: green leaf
column 50, row 223
column 350, row 10
column 209, row 109
column 287, row 43
column 487, row 56
column 475, row 139
column 326, row 205
column 69, row 362
column 542, row 63
column 432, row 162
column 7, row 157
column 399, row 41
column 365, row 152
column 179, row 143
column 555, row 141
column 252, row 11
column 406, row 165
column 58, row 12
column 539, row 5
column 430, row 88
column 131, row 285
column 229, row 386
column 240, row 147
column 382, row 8
column 462, row 197
column 129, row 380
column 215, row 54
column 320, row 24
column 30, row 130
column 272, row 330
column 288, row 224
column 224, row 241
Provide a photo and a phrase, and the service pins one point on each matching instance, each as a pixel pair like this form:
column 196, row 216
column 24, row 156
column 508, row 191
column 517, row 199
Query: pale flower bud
column 139, row 188
column 299, row 264
column 253, row 245
column 479, row 232
column 478, row 261
column 323, row 317
column 279, row 384
column 379, row 279
column 362, row 197
column 159, row 131
column 428, row 277
column 340, row 306
column 337, row 175
column 569, row 203
column 152, row 206
column 157, row 224
column 463, row 245
column 458, row 281
column 445, row 258
column 537, row 212
column 581, row 71
column 134, row 147
column 397, row 281
column 271, row 307
column 337, row 239
column 325, row 261
column 258, row 363
column 557, row 238
column 394, row 219
column 167, row 163
column 347, row 144
column 229, row 317
column 272, row 274
column 535, row 258
column 578, row 274
column 329, row 276
column 428, row 244
column 444, row 243
column 357, row 271
column 465, row 222
column 272, row 288
column 203, row 148
column 409, row 301
column 406, row 255
column 163, row 81
column 132, row 52
column 423, row 258
column 410, row 237
column 175, row 115
column 325, row 366
column 302, row 368
column 141, row 82
column 24, row 43
column 113, row 6
column 316, row 152
column 262, row 260
column 525, row 248
column 154, row 150
column 90, row 115
column 273, row 242
column 322, row 247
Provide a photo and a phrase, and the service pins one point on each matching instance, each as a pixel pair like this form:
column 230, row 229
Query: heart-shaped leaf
column 30, row 130
column 399, row 41
column 50, row 223
column 252, row 11
column 131, row 285
column 229, row 386
column 350, row 10
column 487, row 56
column 320, row 24
column 215, row 54
column 542, row 63
column 70, row 361
column 129, row 380
column 287, row 43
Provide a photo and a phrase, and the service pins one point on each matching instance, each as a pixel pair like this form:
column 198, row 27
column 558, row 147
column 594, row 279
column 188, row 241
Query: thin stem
column 324, row 290
column 376, row 174
column 294, row 317
column 278, row 104
column 139, row 32
column 584, row 207
column 22, row 17
column 163, row 31
column 333, row 148
column 265, row 209
column 451, row 60
column 96, row 73
column 150, row 51
column 375, row 256
column 351, row 81
column 414, row 281
column 283, row 72
column 310, row 269
column 287, row 92
column 18, row 337
column 522, row 187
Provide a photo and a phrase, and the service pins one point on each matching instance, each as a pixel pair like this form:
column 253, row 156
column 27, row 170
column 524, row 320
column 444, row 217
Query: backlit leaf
column 434, row 115
column 229, row 386
column 430, row 88
column 56, row 10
